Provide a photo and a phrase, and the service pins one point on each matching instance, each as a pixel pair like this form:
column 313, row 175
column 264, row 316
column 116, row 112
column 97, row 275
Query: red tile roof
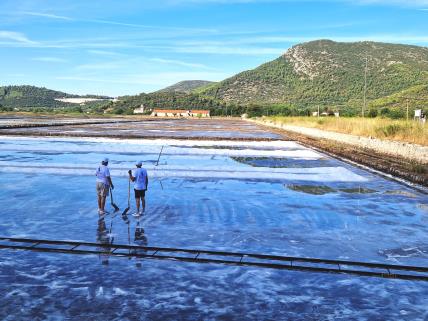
column 181, row 111
column 170, row 111
column 196, row 111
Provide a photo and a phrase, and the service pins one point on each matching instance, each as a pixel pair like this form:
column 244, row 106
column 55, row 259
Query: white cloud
column 179, row 63
column 159, row 79
column 46, row 15
column 228, row 50
column 49, row 59
column 134, row 25
column 406, row 3
column 114, row 23
column 16, row 37
column 414, row 3
column 286, row 40
column 102, row 66
column 104, row 53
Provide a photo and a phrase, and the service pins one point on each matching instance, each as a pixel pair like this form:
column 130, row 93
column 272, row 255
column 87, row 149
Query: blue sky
column 124, row 47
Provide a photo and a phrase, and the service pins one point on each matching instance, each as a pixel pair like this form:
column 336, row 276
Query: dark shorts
column 139, row 193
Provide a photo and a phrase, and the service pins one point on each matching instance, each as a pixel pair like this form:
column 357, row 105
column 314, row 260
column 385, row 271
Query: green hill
column 319, row 73
column 167, row 100
column 31, row 96
column 328, row 72
column 396, row 105
column 187, row 86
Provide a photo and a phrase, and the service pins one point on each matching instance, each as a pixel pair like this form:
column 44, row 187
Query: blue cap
column 139, row 163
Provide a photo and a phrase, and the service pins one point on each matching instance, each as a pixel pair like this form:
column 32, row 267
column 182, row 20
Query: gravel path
column 406, row 150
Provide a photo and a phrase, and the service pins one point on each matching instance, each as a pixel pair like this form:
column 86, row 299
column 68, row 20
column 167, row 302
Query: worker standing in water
column 104, row 183
column 141, row 182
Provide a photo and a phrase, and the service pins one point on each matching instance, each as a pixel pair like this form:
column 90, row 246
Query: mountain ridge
column 325, row 70
column 322, row 72
column 186, row 86
column 17, row 96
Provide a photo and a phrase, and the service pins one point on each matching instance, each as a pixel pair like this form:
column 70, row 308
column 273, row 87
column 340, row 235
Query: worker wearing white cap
column 104, row 183
column 141, row 183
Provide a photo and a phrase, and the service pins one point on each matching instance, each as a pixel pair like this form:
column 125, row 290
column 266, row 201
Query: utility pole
column 318, row 110
column 407, row 109
column 365, row 87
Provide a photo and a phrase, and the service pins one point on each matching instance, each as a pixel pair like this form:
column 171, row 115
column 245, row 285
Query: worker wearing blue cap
column 104, row 183
column 141, row 182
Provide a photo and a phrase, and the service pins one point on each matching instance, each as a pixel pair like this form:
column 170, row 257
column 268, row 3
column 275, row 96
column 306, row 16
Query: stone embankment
column 403, row 160
column 394, row 148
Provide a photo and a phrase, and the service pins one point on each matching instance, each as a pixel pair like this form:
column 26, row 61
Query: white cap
column 105, row 160
column 139, row 163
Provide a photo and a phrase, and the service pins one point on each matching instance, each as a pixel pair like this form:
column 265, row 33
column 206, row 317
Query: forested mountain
column 415, row 97
column 186, row 86
column 327, row 71
column 318, row 73
column 169, row 100
column 31, row 96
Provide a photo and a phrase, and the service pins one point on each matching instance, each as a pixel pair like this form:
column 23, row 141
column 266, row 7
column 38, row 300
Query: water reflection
column 323, row 189
column 311, row 189
column 283, row 162
column 140, row 238
column 104, row 237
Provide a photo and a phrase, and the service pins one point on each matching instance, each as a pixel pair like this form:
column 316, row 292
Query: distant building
column 180, row 113
column 199, row 113
column 140, row 110
column 420, row 115
column 81, row 101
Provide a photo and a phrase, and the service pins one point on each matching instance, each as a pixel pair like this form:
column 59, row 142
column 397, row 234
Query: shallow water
column 180, row 128
column 332, row 211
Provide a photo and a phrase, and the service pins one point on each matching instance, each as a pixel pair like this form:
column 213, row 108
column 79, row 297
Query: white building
column 180, row 113
column 140, row 110
column 81, row 101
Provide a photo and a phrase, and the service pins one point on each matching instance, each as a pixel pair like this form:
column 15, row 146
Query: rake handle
column 111, row 196
column 129, row 192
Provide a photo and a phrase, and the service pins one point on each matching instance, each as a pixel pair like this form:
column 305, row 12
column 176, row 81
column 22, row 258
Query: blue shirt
column 140, row 175
column 102, row 173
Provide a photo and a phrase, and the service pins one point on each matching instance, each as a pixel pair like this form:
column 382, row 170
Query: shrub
column 389, row 130
column 372, row 113
column 118, row 111
column 395, row 113
column 419, row 168
column 384, row 111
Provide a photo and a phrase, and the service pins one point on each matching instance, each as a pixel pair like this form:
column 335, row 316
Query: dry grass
column 396, row 130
